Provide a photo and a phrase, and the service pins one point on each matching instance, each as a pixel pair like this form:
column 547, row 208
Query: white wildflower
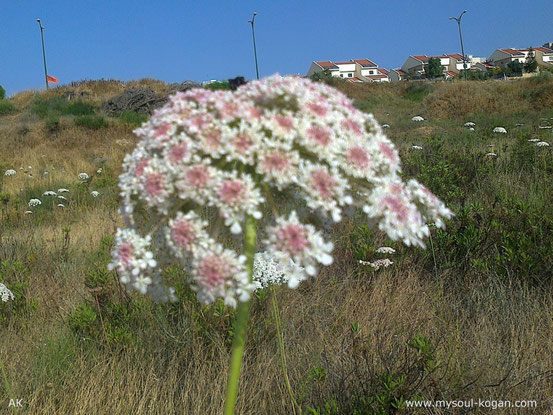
column 470, row 124
column 543, row 144
column 416, row 147
column 379, row 263
column 10, row 172
column 500, row 130
column 83, row 176
column 417, row 118
column 34, row 202
column 5, row 293
column 49, row 193
column 385, row 250
column 491, row 155
column 95, row 193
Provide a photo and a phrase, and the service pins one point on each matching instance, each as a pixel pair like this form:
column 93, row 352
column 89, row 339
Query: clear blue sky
column 174, row 40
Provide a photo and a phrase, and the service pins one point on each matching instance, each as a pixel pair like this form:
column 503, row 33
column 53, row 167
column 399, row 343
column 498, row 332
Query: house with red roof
column 451, row 62
column 397, row 75
column 502, row 57
column 354, row 70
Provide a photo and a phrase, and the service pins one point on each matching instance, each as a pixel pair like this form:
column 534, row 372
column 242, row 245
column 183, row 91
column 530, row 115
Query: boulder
column 140, row 100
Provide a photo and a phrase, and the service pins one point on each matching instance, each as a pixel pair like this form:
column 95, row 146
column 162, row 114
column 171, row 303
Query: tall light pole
column 252, row 22
column 458, row 20
column 43, row 52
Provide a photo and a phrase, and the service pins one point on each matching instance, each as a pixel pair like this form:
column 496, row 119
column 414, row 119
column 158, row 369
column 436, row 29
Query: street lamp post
column 458, row 20
column 252, row 22
column 43, row 52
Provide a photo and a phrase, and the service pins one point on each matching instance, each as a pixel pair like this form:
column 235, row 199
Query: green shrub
column 92, row 122
column 2, row 92
column 58, row 106
column 6, row 107
column 218, row 85
column 417, row 91
column 133, row 118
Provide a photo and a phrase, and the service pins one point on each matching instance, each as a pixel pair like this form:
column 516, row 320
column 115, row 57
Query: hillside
column 469, row 317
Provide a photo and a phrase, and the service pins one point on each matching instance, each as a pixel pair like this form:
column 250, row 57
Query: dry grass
column 492, row 336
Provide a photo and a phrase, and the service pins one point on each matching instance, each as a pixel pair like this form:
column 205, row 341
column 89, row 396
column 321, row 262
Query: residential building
column 483, row 66
column 453, row 62
column 354, row 70
column 397, row 75
column 502, row 57
column 544, row 56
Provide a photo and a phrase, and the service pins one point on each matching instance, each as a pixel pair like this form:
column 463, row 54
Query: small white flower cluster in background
column 5, row 293
column 34, row 202
column 417, row 118
column 377, row 264
column 534, row 140
column 500, row 130
column 10, row 172
column 99, row 171
column 62, row 190
column 470, row 124
column 416, row 147
column 543, row 144
column 386, row 250
column 491, row 155
column 95, row 193
column 385, row 125
column 267, row 270
column 83, row 177
column 230, row 152
column 49, row 193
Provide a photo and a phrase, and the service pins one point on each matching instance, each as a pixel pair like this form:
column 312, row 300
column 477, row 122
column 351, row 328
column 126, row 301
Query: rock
column 183, row 86
column 140, row 100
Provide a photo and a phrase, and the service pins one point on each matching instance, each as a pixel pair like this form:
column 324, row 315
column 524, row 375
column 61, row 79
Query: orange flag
column 51, row 79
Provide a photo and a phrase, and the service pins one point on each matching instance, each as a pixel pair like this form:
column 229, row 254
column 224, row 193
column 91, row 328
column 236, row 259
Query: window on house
column 341, row 75
column 350, row 75
column 371, row 72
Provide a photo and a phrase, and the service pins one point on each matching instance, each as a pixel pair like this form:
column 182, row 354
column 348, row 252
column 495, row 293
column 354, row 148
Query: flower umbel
column 230, row 153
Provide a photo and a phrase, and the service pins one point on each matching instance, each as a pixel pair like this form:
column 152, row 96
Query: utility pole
column 43, row 52
column 458, row 20
column 252, row 22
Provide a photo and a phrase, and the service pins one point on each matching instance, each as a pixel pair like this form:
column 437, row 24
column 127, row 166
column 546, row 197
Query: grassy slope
column 471, row 317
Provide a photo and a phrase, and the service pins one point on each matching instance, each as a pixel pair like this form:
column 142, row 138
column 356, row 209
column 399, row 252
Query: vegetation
column 434, row 68
column 469, row 317
column 2, row 92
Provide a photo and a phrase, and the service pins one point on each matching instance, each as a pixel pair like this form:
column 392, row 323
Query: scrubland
column 469, row 317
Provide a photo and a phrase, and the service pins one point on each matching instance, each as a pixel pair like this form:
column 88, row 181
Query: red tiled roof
column 384, row 71
column 423, row 58
column 354, row 79
column 365, row 63
column 512, row 51
column 543, row 49
column 326, row 64
column 345, row 63
column 457, row 56
column 450, row 73
column 486, row 64
column 378, row 76
column 399, row 71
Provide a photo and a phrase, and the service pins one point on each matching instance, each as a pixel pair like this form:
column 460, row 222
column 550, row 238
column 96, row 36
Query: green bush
column 6, row 107
column 92, row 122
column 417, row 91
column 134, row 118
column 58, row 106
column 218, row 85
column 2, row 92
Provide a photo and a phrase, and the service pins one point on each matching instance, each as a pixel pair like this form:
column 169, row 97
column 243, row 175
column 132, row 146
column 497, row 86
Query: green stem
column 241, row 323
column 6, row 381
column 282, row 354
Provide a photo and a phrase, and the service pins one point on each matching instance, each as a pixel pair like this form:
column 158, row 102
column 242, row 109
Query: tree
column 2, row 92
column 514, row 68
column 434, row 68
column 531, row 64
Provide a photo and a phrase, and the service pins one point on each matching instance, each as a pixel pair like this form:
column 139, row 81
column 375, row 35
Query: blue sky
column 174, row 40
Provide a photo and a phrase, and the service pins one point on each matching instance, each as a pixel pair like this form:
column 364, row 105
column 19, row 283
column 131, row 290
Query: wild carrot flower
column 49, row 193
column 500, row 130
column 534, row 140
column 377, row 264
column 470, row 124
column 543, row 144
column 5, row 294
column 94, row 193
column 83, row 177
column 233, row 154
column 34, row 202
column 10, row 172
column 417, row 118
column 416, row 147
column 62, row 190
column 28, row 212
column 385, row 250
column 491, row 155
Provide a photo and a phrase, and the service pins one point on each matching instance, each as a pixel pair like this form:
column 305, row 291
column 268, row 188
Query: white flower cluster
column 500, row 130
column 543, row 144
column 83, row 177
column 34, row 202
column 470, row 124
column 377, row 264
column 230, row 152
column 491, row 155
column 417, row 118
column 5, row 293
column 10, row 172
column 385, row 250
column 49, row 193
column 94, row 193
column 267, row 271
column 416, row 147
